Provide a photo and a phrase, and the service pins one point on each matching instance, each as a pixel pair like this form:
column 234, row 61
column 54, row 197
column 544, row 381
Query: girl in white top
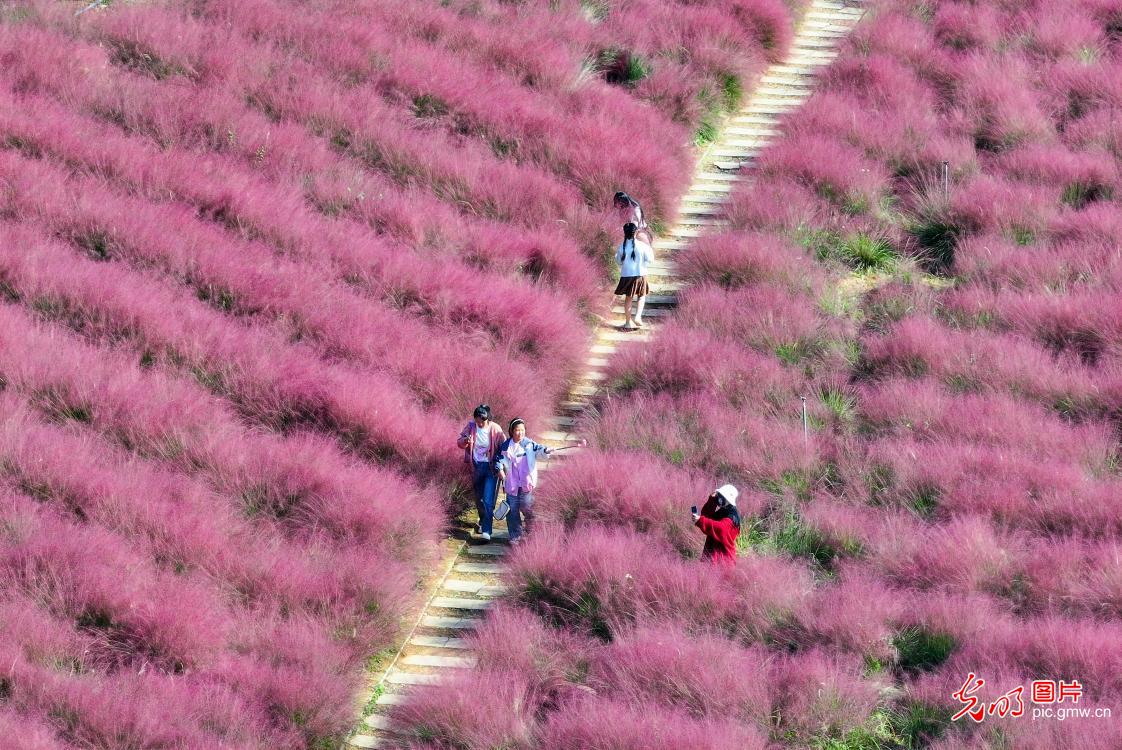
column 633, row 257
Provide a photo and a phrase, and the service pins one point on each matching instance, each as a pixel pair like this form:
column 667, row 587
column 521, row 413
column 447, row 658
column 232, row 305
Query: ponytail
column 629, row 236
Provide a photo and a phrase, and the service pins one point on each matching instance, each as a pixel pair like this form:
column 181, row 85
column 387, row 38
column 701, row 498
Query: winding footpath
column 470, row 578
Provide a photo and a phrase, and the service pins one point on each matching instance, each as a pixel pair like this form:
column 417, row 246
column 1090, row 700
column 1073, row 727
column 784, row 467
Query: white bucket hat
column 729, row 493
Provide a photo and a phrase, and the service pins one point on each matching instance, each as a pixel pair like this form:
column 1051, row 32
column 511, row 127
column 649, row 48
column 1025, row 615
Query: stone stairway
column 436, row 645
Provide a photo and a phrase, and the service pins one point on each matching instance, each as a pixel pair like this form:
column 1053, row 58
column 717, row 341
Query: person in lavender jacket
column 517, row 467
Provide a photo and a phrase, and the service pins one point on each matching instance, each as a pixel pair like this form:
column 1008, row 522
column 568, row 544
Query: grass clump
column 919, row 649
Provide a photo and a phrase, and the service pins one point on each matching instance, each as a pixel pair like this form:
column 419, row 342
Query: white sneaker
column 639, row 323
column 485, row 536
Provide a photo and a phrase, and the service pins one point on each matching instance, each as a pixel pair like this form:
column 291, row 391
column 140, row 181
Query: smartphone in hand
column 693, row 509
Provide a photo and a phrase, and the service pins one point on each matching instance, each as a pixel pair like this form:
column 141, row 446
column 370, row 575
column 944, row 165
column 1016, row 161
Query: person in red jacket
column 720, row 520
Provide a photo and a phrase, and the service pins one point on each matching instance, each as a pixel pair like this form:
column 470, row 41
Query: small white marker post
column 806, row 427
column 946, row 180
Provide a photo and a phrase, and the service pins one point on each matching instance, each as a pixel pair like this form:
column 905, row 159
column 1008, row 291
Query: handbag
column 502, row 508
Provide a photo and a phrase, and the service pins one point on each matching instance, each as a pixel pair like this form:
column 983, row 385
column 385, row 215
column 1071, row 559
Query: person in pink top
column 518, row 471
column 630, row 212
column 480, row 440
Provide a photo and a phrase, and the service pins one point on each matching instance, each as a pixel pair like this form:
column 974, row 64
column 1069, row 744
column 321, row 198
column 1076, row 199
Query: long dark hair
column 622, row 197
column 729, row 511
column 629, row 230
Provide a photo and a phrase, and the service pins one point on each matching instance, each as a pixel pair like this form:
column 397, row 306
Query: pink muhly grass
column 929, row 411
column 1082, row 325
column 627, row 489
column 819, row 695
column 1019, row 211
column 610, row 723
column 705, row 676
column 976, row 361
column 899, row 33
column 782, row 203
column 855, row 615
column 1074, row 576
column 837, row 172
column 1081, row 176
column 698, row 432
column 996, row 103
column 514, row 641
column 26, row 733
column 1056, row 32
column 479, row 708
column 765, row 318
column 968, row 27
column 993, row 261
column 682, row 360
column 604, row 582
column 733, row 260
column 965, row 555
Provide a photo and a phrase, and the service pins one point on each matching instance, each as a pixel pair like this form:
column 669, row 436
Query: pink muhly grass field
column 956, row 504
column 256, row 269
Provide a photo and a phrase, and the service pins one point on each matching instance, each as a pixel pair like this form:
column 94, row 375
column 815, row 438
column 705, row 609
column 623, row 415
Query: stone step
column 450, row 623
column 758, row 103
column 759, row 132
column 780, row 108
column 377, row 721
column 710, row 186
column 810, row 62
column 425, row 660
column 706, row 210
column 819, row 27
column 831, row 15
column 734, row 165
column 775, row 91
column 455, row 602
column 814, row 41
column 366, row 741
column 681, row 232
column 438, row 641
column 705, row 175
column 391, row 699
column 474, row 587
column 813, row 53
column 698, row 215
column 736, row 153
column 786, row 80
column 807, row 72
column 648, row 312
column 487, row 549
column 713, row 201
column 397, row 677
column 473, row 567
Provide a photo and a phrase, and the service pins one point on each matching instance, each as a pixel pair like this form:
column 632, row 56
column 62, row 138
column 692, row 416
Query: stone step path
column 439, row 643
